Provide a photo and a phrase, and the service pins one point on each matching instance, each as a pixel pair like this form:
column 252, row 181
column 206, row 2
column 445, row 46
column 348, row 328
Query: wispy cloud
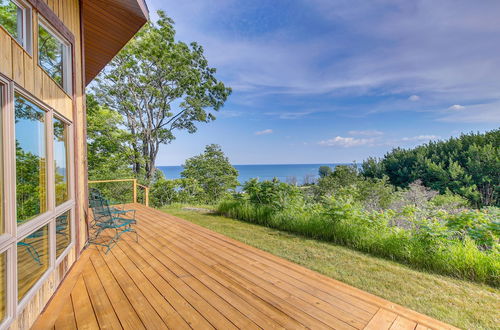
column 456, row 107
column 420, row 138
column 366, row 133
column 264, row 132
column 377, row 141
column 472, row 113
column 346, row 142
column 386, row 47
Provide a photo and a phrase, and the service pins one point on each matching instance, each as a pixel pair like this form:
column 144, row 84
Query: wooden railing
column 135, row 187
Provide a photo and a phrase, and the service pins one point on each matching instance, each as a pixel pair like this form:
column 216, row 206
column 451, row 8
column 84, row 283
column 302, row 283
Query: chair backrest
column 101, row 210
column 95, row 193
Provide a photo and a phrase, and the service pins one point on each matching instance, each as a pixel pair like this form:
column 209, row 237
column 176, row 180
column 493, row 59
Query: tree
column 160, row 86
column 468, row 165
column 324, row 171
column 213, row 172
column 108, row 147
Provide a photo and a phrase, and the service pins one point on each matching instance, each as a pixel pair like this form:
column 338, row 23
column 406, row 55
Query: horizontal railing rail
column 135, row 187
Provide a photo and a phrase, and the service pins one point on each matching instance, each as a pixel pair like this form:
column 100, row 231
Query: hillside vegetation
column 468, row 165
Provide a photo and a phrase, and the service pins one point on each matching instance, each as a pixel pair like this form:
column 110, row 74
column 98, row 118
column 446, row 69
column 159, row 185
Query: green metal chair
column 95, row 198
column 104, row 220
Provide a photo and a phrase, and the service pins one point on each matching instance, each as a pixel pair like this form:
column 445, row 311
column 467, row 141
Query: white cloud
column 414, row 98
column 474, row 113
column 264, row 132
column 420, row 138
column 456, row 107
column 370, row 132
column 346, row 142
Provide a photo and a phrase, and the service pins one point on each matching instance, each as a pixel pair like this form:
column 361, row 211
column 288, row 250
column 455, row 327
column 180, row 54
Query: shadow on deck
column 182, row 276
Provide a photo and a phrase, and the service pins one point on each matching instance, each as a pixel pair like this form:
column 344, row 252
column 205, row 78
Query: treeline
column 468, row 165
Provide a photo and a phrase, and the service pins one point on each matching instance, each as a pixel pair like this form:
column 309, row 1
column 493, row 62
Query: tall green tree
column 108, row 144
column 160, row 86
column 213, row 172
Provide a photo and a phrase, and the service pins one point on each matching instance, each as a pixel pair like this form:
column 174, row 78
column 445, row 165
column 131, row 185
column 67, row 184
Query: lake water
column 299, row 173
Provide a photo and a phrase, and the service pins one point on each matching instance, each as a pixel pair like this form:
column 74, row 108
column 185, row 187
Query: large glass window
column 31, row 172
column 32, row 259
column 12, row 18
column 63, row 232
column 54, row 57
column 61, row 161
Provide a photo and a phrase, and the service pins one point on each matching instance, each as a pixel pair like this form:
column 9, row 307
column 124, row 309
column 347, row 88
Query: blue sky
column 326, row 81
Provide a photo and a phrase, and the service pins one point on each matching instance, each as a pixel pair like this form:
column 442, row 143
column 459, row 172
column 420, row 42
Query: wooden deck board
column 180, row 275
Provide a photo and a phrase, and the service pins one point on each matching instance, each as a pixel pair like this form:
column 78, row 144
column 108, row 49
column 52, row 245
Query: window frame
column 67, row 55
column 26, row 41
column 14, row 233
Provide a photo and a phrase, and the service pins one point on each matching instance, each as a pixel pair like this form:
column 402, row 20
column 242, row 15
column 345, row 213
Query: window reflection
column 31, row 181
column 61, row 161
column 51, row 54
column 32, row 259
column 11, row 18
column 63, row 232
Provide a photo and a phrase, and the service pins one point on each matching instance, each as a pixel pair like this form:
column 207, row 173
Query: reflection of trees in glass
column 50, row 54
column 31, row 194
column 60, row 161
column 11, row 18
column 32, row 259
column 63, row 232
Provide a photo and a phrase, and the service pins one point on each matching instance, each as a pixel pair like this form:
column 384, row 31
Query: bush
column 448, row 244
column 166, row 192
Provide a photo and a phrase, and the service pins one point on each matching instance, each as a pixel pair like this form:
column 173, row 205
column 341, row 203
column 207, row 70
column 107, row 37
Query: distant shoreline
column 292, row 173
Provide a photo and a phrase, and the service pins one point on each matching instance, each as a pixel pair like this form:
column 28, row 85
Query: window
column 31, row 174
column 36, row 202
column 54, row 56
column 61, row 161
column 32, row 260
column 63, row 232
column 15, row 17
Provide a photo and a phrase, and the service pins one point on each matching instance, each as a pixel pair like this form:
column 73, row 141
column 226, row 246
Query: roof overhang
column 107, row 26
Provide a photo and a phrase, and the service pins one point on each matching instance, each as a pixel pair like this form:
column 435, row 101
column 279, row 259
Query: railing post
column 135, row 190
column 147, row 196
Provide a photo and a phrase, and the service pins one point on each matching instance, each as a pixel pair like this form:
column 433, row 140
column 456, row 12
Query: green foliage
column 108, row 147
column 9, row 17
column 468, row 165
column 324, row 171
column 275, row 194
column 160, row 85
column 166, row 192
column 431, row 244
column 50, row 54
column 213, row 172
column 30, row 184
column 346, row 181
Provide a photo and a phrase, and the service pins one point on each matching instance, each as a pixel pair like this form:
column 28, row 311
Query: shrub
column 430, row 244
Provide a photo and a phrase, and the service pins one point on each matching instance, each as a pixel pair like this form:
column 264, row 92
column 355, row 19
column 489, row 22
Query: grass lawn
column 463, row 304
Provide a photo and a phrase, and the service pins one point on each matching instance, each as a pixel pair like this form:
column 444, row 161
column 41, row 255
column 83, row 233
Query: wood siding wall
column 21, row 67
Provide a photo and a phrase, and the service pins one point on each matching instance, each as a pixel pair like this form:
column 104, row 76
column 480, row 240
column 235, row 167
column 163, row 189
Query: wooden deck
column 182, row 276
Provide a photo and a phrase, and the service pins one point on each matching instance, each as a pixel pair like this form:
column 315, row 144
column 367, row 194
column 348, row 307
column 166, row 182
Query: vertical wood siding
column 22, row 67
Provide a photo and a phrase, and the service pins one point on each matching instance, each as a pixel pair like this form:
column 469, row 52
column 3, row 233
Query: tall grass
column 459, row 258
